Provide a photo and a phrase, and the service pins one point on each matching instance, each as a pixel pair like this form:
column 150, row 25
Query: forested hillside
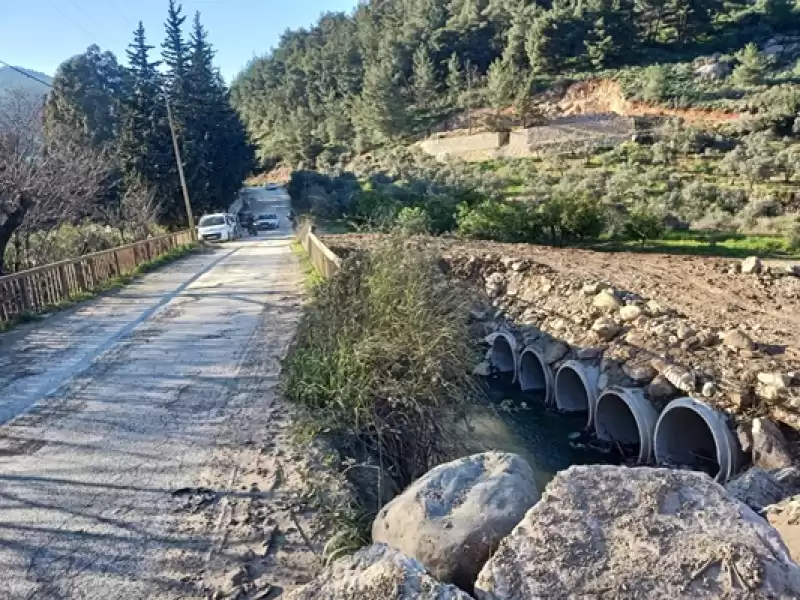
column 394, row 68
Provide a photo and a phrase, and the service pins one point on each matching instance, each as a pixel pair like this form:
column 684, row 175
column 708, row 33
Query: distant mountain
column 11, row 79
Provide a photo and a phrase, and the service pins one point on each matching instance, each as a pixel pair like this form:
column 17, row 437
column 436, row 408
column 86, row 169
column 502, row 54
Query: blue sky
column 40, row 34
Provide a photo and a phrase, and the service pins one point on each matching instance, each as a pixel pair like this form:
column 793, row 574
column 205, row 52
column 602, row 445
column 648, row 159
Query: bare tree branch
column 43, row 181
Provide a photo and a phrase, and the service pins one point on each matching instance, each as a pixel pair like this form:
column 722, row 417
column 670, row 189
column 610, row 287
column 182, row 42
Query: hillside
column 399, row 70
column 11, row 79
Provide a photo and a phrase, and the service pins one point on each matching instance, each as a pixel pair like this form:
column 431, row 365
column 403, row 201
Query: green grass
column 111, row 284
column 311, row 277
column 732, row 245
column 381, row 363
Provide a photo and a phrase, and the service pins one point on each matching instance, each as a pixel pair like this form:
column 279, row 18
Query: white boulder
column 616, row 532
column 454, row 516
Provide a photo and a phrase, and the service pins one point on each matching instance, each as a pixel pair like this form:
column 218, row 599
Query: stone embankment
column 597, row 532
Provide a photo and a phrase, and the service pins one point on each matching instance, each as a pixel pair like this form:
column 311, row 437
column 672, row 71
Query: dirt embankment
column 699, row 295
column 603, row 96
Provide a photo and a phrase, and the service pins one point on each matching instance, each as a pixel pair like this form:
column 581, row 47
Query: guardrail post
column 80, row 276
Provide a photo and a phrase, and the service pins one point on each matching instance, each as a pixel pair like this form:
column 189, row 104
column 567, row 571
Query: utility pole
column 469, row 96
column 180, row 167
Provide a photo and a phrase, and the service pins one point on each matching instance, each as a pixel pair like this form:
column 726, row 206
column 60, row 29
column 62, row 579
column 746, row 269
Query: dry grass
column 382, row 360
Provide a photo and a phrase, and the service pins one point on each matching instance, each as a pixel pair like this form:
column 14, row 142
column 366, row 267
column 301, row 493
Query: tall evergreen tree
column 146, row 153
column 174, row 49
column 426, row 97
column 380, row 112
column 455, row 79
column 86, row 96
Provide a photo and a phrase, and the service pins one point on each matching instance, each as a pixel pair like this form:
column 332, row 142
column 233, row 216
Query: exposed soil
column 603, row 95
column 702, row 288
column 704, row 293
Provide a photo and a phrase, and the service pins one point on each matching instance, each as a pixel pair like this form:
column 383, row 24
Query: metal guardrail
column 35, row 290
column 324, row 260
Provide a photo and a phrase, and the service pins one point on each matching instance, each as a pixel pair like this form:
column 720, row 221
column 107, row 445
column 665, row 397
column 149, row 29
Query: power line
column 28, row 75
column 85, row 31
column 119, row 12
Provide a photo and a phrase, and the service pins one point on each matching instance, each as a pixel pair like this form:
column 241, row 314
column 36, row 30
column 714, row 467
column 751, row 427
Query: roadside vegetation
column 381, row 366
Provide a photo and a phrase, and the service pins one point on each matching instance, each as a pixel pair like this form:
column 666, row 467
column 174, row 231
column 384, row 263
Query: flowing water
column 516, row 421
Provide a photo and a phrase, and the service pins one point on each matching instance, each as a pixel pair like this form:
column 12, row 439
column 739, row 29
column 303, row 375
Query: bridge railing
column 319, row 255
column 36, row 290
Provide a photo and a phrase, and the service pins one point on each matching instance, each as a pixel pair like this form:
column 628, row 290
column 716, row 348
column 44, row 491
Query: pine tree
column 87, row 92
column 220, row 156
column 424, row 87
column 455, row 79
column 752, row 65
column 174, row 50
column 380, row 113
column 146, row 154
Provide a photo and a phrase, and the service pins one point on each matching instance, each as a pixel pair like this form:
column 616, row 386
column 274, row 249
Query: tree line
column 114, row 117
column 392, row 69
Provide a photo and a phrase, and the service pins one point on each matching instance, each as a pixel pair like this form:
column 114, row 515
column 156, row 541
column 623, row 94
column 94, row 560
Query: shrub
column 413, row 220
column 566, row 218
column 382, row 359
column 501, row 221
column 794, row 236
column 642, row 225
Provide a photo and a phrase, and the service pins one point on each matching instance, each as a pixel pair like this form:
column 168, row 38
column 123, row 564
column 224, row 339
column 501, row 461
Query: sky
column 40, row 34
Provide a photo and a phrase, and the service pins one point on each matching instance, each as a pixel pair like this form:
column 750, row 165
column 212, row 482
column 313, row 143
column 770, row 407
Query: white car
column 218, row 227
column 267, row 221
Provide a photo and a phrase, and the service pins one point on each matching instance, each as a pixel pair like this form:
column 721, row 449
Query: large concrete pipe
column 625, row 416
column 693, row 434
column 534, row 374
column 576, row 388
column 503, row 354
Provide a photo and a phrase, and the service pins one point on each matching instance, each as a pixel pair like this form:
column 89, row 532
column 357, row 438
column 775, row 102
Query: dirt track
column 143, row 451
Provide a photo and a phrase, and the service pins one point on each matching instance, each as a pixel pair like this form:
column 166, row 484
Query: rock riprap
column 614, row 532
column 376, row 572
column 454, row 516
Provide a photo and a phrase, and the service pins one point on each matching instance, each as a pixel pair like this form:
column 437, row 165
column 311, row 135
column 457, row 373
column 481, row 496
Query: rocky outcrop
column 374, row 572
column 454, row 516
column 613, row 532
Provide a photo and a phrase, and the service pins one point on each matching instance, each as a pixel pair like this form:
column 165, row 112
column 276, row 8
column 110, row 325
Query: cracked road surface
column 109, row 409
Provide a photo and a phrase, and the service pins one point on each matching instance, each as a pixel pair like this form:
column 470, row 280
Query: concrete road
column 108, row 410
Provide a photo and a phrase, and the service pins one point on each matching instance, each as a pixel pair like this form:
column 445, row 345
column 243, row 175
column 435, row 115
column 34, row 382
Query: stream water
column 518, row 422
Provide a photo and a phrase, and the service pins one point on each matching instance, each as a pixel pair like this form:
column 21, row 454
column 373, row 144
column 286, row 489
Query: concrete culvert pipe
column 690, row 433
column 576, row 388
column 503, row 356
column 534, row 374
column 625, row 416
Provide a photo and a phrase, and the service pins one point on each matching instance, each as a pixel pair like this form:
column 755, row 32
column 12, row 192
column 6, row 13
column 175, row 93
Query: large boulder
column 615, row 532
column 770, row 448
column 454, row 516
column 757, row 488
column 373, row 572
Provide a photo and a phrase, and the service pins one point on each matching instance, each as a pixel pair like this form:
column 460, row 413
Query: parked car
column 272, row 186
column 218, row 227
column 267, row 221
